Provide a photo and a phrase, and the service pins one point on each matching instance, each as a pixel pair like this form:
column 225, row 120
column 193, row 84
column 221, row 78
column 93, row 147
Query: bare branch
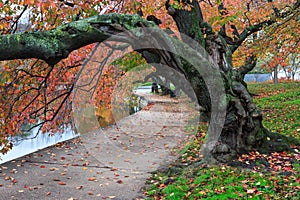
column 15, row 24
column 250, row 64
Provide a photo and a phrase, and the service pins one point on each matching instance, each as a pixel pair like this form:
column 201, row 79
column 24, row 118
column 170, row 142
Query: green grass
column 281, row 106
column 225, row 182
column 145, row 84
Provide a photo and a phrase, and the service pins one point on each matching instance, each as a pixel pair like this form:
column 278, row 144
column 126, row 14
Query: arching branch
column 55, row 45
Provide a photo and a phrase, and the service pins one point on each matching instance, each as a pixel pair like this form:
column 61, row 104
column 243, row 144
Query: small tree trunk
column 275, row 80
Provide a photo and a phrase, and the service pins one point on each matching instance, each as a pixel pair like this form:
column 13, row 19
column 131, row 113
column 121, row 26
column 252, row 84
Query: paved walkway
column 106, row 164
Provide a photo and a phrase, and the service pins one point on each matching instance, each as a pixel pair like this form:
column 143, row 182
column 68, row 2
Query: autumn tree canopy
column 58, row 36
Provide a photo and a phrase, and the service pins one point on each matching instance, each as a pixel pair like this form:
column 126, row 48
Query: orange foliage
column 31, row 91
column 242, row 14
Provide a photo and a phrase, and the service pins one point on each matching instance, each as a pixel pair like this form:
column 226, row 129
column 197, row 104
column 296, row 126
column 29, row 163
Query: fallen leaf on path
column 13, row 171
column 92, row 179
column 114, row 169
column 120, row 181
column 79, row 187
column 61, row 183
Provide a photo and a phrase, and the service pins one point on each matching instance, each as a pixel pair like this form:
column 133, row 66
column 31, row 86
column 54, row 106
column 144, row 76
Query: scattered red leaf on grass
column 251, row 191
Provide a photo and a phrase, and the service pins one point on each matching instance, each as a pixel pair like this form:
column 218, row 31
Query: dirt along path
column 112, row 163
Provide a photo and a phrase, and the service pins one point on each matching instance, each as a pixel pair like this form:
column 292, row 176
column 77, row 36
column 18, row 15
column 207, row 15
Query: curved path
column 112, row 163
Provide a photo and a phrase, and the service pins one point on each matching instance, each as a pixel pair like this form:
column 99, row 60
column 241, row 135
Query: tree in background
column 233, row 33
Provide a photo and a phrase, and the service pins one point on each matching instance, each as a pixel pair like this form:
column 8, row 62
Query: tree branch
column 250, row 64
column 254, row 28
column 188, row 22
column 55, row 45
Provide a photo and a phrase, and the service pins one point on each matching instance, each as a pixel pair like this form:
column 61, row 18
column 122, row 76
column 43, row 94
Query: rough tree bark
column 243, row 129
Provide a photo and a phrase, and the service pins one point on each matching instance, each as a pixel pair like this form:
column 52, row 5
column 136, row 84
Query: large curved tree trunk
column 243, row 130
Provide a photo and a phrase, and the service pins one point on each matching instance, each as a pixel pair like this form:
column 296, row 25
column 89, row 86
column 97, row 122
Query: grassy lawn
column 281, row 106
column 275, row 176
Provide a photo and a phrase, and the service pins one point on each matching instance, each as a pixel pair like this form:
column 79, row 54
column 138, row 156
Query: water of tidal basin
column 27, row 145
column 41, row 141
